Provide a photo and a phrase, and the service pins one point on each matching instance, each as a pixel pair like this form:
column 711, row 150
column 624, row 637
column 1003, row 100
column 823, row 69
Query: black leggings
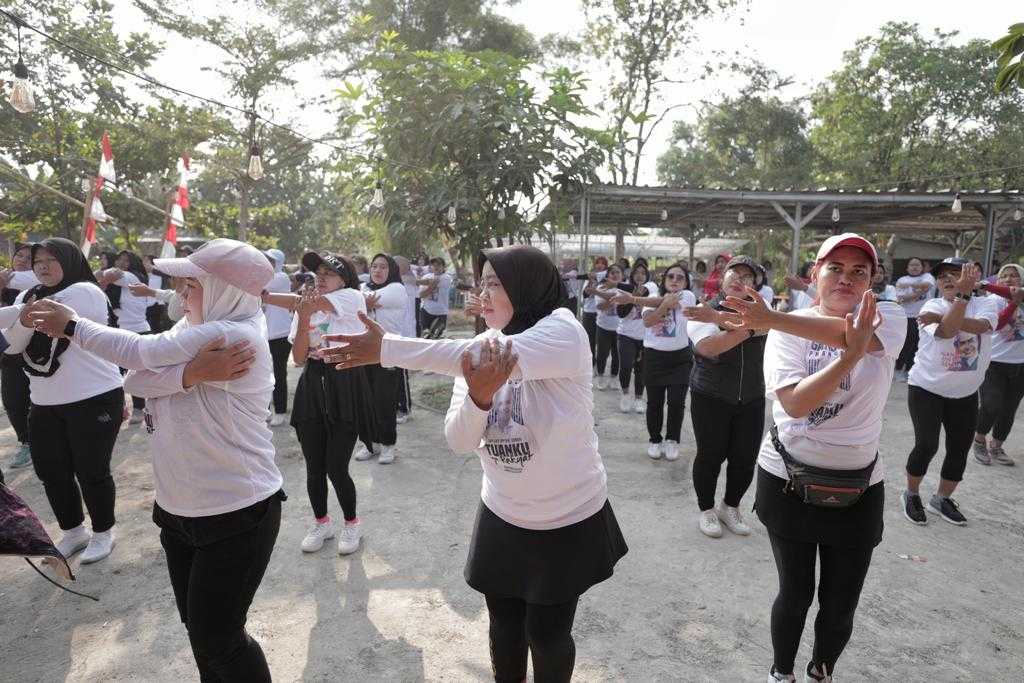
column 590, row 325
column 545, row 629
column 631, row 361
column 675, row 394
column 327, row 448
column 929, row 412
column 216, row 563
column 385, row 401
column 905, row 360
column 14, row 389
column 71, row 449
column 606, row 344
column 432, row 324
column 403, row 400
column 724, row 432
column 842, row 576
column 1001, row 393
column 280, row 349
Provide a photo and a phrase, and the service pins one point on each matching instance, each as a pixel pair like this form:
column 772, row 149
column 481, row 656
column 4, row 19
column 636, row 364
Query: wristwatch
column 69, row 329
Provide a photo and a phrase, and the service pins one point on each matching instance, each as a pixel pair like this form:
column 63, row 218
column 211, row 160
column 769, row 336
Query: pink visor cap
column 234, row 262
column 848, row 239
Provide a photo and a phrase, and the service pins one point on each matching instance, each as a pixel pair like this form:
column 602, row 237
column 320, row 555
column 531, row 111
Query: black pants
column 905, row 360
column 327, row 448
column 606, row 345
column 929, row 412
column 216, row 564
column 630, row 361
column 385, row 401
column 419, row 320
column 280, row 349
column 1001, row 393
column 842, row 576
column 156, row 316
column 14, row 389
column 546, row 630
column 71, row 449
column 404, row 398
column 724, row 432
column 675, row 395
column 589, row 321
column 433, row 324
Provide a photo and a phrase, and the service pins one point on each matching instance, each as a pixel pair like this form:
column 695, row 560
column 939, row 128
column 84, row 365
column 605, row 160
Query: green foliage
column 1010, row 63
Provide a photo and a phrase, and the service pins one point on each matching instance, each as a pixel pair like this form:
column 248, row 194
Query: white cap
column 848, row 239
column 237, row 263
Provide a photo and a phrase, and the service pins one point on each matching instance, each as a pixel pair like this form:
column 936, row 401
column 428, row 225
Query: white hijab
column 222, row 301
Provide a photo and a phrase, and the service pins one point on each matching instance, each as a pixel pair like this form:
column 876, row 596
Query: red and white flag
column 107, row 160
column 177, row 217
column 96, row 212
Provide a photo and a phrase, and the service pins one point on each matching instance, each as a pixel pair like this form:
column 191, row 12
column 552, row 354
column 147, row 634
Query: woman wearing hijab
column 77, row 402
column 545, row 531
column 14, row 386
column 218, row 491
column 409, row 329
column 279, row 324
column 129, row 271
column 387, row 303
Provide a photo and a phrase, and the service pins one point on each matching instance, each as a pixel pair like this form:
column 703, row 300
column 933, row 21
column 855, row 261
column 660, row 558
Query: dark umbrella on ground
column 22, row 535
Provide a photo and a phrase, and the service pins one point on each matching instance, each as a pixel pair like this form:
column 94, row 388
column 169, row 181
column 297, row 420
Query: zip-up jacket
column 736, row 376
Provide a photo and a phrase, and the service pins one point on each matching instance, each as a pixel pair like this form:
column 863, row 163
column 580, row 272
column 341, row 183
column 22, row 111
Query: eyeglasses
column 675, row 276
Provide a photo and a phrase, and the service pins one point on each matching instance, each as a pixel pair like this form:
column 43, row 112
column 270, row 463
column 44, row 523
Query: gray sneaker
column 948, row 508
column 981, row 453
column 997, row 453
column 23, row 458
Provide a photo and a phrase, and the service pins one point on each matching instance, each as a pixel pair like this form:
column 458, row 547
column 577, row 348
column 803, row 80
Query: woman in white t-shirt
column 387, row 303
column 130, row 311
column 828, row 370
column 437, row 285
column 667, row 361
column 589, row 309
column 409, row 329
column 218, row 491
column 607, row 324
column 630, row 336
column 77, row 402
column 279, row 324
column 1003, row 388
column 880, row 286
column 14, row 386
column 952, row 357
column 545, row 531
column 912, row 290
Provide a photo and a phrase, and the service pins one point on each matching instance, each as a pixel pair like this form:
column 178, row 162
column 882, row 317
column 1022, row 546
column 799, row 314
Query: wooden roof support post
column 797, row 222
column 993, row 221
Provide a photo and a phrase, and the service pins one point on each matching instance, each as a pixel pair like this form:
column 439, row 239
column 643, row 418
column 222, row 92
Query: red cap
column 848, row 239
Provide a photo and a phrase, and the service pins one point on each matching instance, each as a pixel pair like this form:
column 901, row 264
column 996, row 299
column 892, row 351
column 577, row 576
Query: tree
column 639, row 42
column 1010, row 47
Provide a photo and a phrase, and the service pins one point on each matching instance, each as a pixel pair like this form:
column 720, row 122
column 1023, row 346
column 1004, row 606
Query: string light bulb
column 501, row 213
column 452, row 214
column 378, row 196
column 664, row 214
column 255, row 170
column 572, row 221
column 21, row 97
column 835, row 214
column 1018, row 214
column 741, row 217
column 957, row 204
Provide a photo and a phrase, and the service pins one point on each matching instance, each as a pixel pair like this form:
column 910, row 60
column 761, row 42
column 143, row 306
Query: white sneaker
column 319, row 533
column 363, row 454
column 639, row 406
column 625, row 403
column 600, row 384
column 137, row 417
column 818, row 677
column 773, row 677
column 732, row 519
column 708, row 524
column 73, row 541
column 348, row 542
column 387, row 455
column 402, row 418
column 671, row 449
column 99, row 546
column 278, row 419
column 654, row 451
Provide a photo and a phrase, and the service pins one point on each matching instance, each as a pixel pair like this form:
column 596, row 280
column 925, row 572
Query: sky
column 803, row 39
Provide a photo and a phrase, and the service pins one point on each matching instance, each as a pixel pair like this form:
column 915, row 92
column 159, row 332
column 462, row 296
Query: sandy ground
column 680, row 606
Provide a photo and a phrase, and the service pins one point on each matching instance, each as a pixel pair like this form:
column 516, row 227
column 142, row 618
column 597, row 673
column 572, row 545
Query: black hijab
column 135, row 266
column 393, row 275
column 531, row 280
column 42, row 355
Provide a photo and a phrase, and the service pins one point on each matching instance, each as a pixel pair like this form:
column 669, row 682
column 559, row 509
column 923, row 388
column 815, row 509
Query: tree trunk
column 620, row 242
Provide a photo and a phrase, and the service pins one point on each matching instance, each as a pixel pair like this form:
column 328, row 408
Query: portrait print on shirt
column 1014, row 331
column 507, row 438
column 819, row 356
column 965, row 353
column 668, row 325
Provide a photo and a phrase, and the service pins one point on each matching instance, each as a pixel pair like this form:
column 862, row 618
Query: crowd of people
column 197, row 349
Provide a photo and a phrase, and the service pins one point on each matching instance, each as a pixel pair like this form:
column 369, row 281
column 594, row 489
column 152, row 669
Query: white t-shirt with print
column 1008, row 343
column 436, row 303
column 131, row 315
column 608, row 318
column 347, row 304
column 394, row 306
column 843, row 433
column 537, row 444
column 954, row 367
column 903, row 288
column 590, row 302
column 632, row 325
column 669, row 334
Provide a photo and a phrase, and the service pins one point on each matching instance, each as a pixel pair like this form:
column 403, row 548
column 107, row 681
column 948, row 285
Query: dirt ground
column 680, row 606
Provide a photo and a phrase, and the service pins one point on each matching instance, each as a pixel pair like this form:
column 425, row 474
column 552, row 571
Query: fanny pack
column 820, row 486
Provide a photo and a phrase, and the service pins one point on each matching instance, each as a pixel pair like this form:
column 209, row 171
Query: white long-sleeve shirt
column 211, row 447
column 537, row 445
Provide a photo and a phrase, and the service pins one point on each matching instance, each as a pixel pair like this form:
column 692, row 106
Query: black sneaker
column 948, row 508
column 913, row 508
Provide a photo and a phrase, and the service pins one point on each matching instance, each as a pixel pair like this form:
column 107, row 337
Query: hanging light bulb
column 21, row 97
column 255, row 162
column 87, row 185
column 957, row 205
column 501, row 213
column 835, row 214
column 378, row 196
column 741, row 217
column 664, row 214
column 572, row 221
column 452, row 214
column 1018, row 214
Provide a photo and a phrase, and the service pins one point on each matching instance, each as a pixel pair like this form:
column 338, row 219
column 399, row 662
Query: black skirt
column 785, row 515
column 542, row 567
column 343, row 398
column 667, row 368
